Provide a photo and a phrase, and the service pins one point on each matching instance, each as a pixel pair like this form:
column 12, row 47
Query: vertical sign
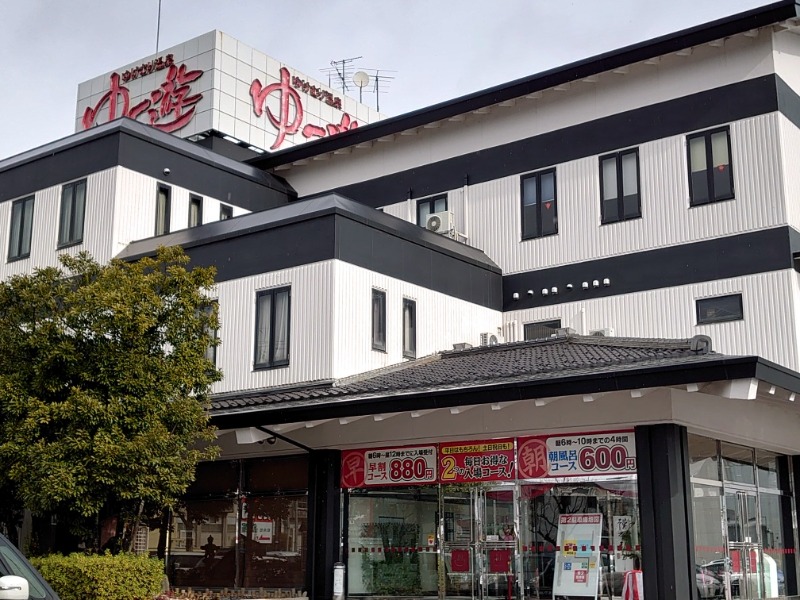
column 578, row 558
column 465, row 462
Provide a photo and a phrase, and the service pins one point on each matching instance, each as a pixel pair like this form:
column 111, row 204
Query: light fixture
column 554, row 290
column 515, row 296
column 772, row 390
column 530, row 292
column 545, row 292
column 596, row 283
column 588, row 398
column 585, row 285
column 606, row 282
column 791, row 397
column 569, row 287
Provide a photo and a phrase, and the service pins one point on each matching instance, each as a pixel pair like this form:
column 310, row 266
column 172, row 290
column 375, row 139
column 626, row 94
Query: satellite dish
column 361, row 79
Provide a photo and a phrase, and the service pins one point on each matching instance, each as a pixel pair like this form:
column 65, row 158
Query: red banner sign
column 603, row 453
column 465, row 462
column 407, row 465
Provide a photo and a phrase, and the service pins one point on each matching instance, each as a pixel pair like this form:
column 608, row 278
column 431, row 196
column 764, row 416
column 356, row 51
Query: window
column 195, row 211
column 162, row 210
column 225, row 212
column 428, row 207
column 272, row 328
column 539, row 214
column 19, row 243
column 541, row 329
column 73, row 205
column 211, row 349
column 619, row 186
column 379, row 320
column 720, row 309
column 710, row 172
column 409, row 328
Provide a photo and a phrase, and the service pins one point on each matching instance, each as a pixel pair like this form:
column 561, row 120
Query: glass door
column 745, row 578
column 499, row 549
column 459, row 572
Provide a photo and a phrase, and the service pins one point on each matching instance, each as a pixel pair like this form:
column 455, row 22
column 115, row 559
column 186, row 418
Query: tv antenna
column 340, row 71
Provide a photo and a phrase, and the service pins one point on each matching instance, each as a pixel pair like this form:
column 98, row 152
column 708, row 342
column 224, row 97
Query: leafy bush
column 102, row 577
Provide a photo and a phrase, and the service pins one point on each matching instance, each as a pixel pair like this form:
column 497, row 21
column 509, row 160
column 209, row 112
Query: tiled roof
column 506, row 363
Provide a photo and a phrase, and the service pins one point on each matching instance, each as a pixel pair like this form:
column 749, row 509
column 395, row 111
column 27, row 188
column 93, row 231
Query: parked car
column 19, row 580
column 708, row 585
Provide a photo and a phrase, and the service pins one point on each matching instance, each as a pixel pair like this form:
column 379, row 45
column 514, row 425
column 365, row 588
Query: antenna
column 361, row 79
column 158, row 26
column 386, row 79
column 343, row 70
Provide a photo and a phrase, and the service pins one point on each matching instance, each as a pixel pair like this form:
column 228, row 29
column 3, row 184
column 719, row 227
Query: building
column 644, row 198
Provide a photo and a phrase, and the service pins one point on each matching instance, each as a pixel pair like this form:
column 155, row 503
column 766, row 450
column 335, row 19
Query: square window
column 272, row 328
column 719, row 309
column 162, row 209
column 225, row 212
column 539, row 212
column 73, row 208
column 195, row 211
column 379, row 320
column 710, row 169
column 619, row 187
column 409, row 328
column 19, row 242
column 428, row 206
column 541, row 329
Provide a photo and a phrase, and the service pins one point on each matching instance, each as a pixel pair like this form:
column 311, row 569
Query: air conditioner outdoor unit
column 491, row 339
column 606, row 332
column 441, row 222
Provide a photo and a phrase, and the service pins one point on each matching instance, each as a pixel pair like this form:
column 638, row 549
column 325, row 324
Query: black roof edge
column 672, row 42
column 173, row 143
column 721, row 369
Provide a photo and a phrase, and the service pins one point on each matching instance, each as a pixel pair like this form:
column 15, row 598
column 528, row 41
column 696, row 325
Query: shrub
column 102, row 576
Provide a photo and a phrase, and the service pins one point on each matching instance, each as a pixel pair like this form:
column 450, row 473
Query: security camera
column 166, row 171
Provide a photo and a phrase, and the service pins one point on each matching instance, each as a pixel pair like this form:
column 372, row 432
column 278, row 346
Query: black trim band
column 733, row 256
column 710, row 108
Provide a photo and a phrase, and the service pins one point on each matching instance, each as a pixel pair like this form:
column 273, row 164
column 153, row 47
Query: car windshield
column 21, row 569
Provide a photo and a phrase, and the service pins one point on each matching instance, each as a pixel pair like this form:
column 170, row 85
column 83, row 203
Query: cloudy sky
column 434, row 49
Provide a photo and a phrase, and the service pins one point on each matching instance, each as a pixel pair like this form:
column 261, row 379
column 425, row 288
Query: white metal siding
column 770, row 302
column 441, row 320
column 790, row 159
column 46, row 212
column 491, row 219
column 741, row 58
column 311, row 328
column 135, row 216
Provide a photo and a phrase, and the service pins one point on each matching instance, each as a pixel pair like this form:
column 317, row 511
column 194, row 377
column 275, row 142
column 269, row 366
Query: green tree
column 104, row 384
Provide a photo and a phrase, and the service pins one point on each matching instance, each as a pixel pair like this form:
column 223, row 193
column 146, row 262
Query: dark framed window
column 409, row 328
column 195, row 211
column 211, row 349
column 225, row 212
column 428, row 206
column 539, row 212
column 719, row 309
column 379, row 320
column 710, row 169
column 541, row 329
column 19, row 240
column 163, row 202
column 272, row 328
column 73, row 209
column 619, row 186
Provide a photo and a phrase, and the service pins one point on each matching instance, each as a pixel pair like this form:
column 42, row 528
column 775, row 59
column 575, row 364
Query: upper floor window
column 428, row 206
column 211, row 349
column 225, row 212
column 272, row 328
column 19, row 241
column 619, row 186
column 195, row 211
column 539, row 213
column 719, row 309
column 379, row 320
column 73, row 208
column 541, row 329
column 409, row 328
column 710, row 169
column 162, row 209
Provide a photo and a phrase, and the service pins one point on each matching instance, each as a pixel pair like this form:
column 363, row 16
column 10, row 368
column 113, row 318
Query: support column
column 665, row 504
column 324, row 521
